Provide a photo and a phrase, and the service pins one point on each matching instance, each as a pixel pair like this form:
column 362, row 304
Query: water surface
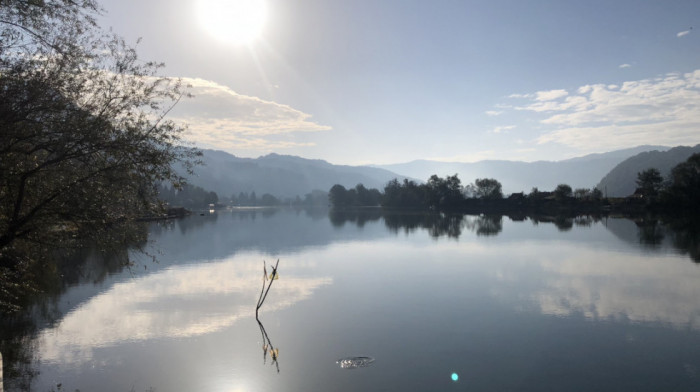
column 525, row 304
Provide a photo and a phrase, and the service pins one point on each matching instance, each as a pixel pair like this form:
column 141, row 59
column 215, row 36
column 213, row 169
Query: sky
column 390, row 81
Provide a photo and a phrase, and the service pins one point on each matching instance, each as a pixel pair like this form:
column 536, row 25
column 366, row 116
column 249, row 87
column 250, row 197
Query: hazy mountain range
column 280, row 175
column 581, row 172
column 289, row 176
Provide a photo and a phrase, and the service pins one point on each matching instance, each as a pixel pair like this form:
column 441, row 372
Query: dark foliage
column 84, row 141
column 339, row 197
column 683, row 191
column 188, row 196
column 649, row 182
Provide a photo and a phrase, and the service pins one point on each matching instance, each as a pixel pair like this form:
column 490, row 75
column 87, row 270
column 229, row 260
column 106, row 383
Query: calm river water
column 441, row 303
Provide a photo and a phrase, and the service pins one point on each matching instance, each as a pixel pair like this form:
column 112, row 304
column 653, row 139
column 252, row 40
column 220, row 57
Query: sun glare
column 234, row 21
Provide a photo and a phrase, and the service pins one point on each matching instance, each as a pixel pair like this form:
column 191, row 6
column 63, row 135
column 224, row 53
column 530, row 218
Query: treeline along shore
column 677, row 194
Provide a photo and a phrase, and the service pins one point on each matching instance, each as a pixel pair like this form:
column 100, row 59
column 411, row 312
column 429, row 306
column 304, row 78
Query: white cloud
column 502, row 129
column 219, row 117
column 520, row 96
column 625, row 65
column 664, row 110
column 493, row 112
column 550, row 95
column 683, row 33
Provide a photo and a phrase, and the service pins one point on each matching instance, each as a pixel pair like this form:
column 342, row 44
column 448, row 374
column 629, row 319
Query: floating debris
column 354, row 362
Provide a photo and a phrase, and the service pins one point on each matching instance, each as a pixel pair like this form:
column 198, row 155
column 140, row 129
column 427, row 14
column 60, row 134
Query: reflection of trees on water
column 89, row 261
column 686, row 237
column 485, row 225
column 651, row 232
column 17, row 346
column 437, row 225
column 661, row 232
column 566, row 222
column 584, row 221
column 358, row 216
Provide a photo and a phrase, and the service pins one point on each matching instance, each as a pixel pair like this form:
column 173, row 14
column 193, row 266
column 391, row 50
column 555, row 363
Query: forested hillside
column 620, row 181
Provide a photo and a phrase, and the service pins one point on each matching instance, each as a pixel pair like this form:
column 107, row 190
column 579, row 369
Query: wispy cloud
column 625, row 65
column 550, row 95
column 664, row 110
column 503, row 129
column 683, row 33
column 219, row 117
column 493, row 112
column 520, row 96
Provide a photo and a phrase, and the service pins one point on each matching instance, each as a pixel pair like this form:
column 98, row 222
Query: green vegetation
column 84, row 142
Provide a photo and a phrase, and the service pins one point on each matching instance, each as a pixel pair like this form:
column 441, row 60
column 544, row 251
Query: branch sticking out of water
column 263, row 292
column 267, row 344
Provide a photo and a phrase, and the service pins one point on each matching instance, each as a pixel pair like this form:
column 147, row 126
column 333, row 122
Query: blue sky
column 389, row 81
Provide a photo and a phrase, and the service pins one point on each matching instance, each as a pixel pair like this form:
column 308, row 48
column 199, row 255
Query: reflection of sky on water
column 178, row 302
column 626, row 286
column 505, row 311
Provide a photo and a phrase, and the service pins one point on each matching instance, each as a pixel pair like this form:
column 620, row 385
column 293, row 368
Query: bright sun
column 234, row 21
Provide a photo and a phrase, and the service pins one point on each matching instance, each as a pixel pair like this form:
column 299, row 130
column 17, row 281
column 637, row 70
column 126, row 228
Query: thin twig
column 261, row 300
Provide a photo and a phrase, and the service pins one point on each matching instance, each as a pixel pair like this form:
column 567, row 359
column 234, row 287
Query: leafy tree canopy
column 684, row 190
column 488, row 188
column 562, row 191
column 84, row 142
column 649, row 182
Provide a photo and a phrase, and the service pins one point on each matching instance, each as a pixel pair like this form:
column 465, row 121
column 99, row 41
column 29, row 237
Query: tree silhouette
column 84, row 142
column 488, row 188
column 562, row 192
column 649, row 182
column 684, row 190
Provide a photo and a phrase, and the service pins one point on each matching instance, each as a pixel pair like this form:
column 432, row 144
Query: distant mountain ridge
column 290, row 176
column 515, row 176
column 621, row 180
column 280, row 175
